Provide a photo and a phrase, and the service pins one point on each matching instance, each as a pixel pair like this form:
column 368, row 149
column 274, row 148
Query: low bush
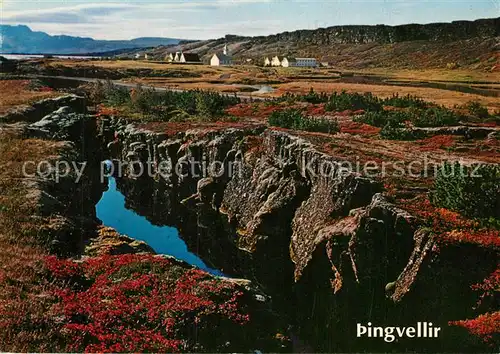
column 405, row 101
column 476, row 109
column 293, row 119
column 428, row 117
column 315, row 98
column 167, row 105
column 395, row 129
column 353, row 101
column 381, row 118
column 434, row 117
column 473, row 191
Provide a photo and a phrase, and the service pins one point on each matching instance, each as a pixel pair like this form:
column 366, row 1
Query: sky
column 207, row 19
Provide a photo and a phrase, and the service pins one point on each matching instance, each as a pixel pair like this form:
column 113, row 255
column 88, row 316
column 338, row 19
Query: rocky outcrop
column 453, row 31
column 39, row 109
column 327, row 245
column 110, row 242
column 466, row 131
column 68, row 186
column 96, row 72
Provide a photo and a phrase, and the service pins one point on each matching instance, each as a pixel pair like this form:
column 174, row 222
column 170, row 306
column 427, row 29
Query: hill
column 21, row 39
column 471, row 44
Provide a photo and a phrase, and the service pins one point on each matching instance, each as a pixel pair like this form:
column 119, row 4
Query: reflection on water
column 163, row 239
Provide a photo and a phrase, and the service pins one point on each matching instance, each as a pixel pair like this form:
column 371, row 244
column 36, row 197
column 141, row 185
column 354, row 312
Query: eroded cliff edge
column 204, row 312
column 329, row 245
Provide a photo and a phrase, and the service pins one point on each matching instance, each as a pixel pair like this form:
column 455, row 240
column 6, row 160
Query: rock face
column 328, row 246
column 66, row 202
column 390, row 34
column 93, row 71
column 110, row 242
column 44, row 107
column 68, row 187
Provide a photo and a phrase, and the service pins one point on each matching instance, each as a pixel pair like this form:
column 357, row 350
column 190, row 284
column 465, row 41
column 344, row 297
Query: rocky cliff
column 327, row 244
column 447, row 32
column 64, row 206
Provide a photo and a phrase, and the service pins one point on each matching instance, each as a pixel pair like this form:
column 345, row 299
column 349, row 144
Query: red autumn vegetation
column 102, row 110
column 351, row 127
column 489, row 287
column 316, row 109
column 485, row 326
column 437, row 142
column 241, row 110
column 252, row 110
column 45, row 89
column 137, row 303
column 450, row 226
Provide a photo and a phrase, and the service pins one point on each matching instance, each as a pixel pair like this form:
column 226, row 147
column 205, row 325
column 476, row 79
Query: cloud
column 68, row 14
column 88, row 13
column 175, row 18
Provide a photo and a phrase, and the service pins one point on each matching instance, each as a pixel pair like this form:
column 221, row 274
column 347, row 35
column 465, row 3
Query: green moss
column 293, row 119
column 473, row 191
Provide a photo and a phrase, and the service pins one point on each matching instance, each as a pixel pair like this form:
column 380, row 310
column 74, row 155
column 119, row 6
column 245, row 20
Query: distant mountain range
column 21, row 39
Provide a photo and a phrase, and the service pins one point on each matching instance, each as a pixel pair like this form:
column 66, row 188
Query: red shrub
column 241, row 110
column 437, row 142
column 62, row 268
column 485, row 326
column 132, row 303
column 351, row 127
column 489, row 286
column 46, row 89
column 451, row 226
column 106, row 111
column 316, row 109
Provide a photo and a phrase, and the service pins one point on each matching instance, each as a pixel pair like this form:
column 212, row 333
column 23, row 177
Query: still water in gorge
column 111, row 210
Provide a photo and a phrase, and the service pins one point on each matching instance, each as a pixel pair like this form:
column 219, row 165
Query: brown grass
column 458, row 75
column 141, row 64
column 443, row 97
column 24, row 296
column 17, row 92
column 301, row 80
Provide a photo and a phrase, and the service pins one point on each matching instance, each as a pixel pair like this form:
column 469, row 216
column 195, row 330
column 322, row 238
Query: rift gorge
column 243, row 248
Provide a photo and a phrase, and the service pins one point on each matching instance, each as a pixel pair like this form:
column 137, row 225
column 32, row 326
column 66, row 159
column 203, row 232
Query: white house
column 276, row 61
column 288, row 62
column 267, row 62
column 177, row 57
column 169, row 57
column 189, row 58
column 223, row 58
column 146, row 56
column 306, row 62
column 138, row 56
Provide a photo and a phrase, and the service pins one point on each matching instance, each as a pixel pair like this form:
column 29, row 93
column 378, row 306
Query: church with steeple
column 224, row 58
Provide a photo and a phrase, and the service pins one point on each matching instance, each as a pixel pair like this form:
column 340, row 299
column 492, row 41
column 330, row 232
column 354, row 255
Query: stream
column 112, row 211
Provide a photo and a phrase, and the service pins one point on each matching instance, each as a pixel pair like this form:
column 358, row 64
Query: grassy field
column 18, row 92
column 442, row 75
column 447, row 98
column 443, row 97
column 455, row 75
column 23, row 289
column 299, row 80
